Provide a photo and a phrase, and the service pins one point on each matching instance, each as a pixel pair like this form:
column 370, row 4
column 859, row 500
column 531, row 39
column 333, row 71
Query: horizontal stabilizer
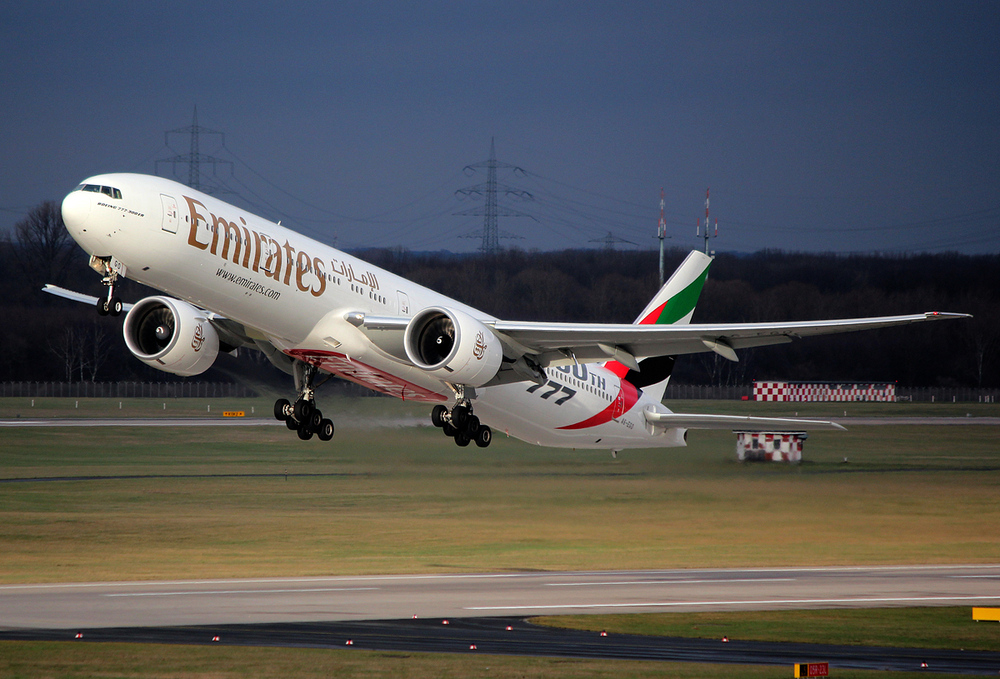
column 735, row 422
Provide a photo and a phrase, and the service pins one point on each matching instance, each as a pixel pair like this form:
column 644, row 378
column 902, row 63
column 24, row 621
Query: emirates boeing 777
column 232, row 279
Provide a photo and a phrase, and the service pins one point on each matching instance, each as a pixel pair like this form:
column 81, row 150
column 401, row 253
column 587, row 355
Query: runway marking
column 995, row 577
column 666, row 582
column 845, row 570
column 244, row 591
column 674, row 604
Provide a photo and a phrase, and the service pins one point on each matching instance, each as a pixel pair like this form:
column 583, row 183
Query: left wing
column 562, row 343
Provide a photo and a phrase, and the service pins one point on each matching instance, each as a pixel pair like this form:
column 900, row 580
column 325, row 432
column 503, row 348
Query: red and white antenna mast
column 708, row 232
column 661, row 233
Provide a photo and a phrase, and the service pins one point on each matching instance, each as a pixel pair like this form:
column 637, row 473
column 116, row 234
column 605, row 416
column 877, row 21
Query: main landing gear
column 460, row 424
column 303, row 416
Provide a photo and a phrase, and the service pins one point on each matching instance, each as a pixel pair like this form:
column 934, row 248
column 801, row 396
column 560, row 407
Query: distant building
column 825, row 391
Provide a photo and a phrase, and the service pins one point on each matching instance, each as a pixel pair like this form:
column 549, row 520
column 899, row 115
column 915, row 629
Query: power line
column 491, row 212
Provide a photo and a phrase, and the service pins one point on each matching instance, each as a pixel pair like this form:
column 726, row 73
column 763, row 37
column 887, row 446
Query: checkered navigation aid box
column 824, row 391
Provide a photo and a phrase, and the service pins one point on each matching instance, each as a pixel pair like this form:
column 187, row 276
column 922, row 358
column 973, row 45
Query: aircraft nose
column 75, row 210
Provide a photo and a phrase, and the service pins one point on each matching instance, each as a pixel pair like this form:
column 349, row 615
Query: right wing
column 563, row 343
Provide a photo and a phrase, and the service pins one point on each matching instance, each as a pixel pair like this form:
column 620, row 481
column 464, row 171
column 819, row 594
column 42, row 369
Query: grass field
column 126, row 661
column 154, row 503
column 125, row 503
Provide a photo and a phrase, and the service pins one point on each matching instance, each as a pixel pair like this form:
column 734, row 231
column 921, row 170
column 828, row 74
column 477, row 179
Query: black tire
column 305, row 433
column 472, row 426
column 437, row 415
column 303, row 409
column 449, row 429
column 281, row 408
column 462, row 439
column 291, row 423
column 116, row 306
column 484, row 437
column 315, row 420
column 460, row 416
column 325, row 431
column 102, row 307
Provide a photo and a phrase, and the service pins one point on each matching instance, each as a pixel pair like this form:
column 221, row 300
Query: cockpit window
column 108, row 191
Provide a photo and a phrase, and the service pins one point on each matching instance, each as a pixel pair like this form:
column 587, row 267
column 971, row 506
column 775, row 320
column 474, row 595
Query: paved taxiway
column 513, row 636
column 296, row 600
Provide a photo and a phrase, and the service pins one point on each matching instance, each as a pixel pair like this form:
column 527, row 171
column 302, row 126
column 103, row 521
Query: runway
column 81, row 606
column 422, row 422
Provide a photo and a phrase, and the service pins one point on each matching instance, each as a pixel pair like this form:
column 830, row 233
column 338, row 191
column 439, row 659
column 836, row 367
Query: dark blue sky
column 842, row 126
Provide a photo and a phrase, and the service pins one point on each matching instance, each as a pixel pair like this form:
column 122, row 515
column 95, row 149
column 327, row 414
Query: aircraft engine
column 453, row 346
column 171, row 335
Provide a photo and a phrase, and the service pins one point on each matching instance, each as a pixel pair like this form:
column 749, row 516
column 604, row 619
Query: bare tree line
column 45, row 338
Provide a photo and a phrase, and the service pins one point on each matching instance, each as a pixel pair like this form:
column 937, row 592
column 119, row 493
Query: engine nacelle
column 171, row 335
column 453, row 346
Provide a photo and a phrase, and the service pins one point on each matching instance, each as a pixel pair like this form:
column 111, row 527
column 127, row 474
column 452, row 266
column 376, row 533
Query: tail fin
column 674, row 304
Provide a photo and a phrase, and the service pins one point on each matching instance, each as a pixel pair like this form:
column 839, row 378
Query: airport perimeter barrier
column 193, row 389
column 184, row 389
column 907, row 394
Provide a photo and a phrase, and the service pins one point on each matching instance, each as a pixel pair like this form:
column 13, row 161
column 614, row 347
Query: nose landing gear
column 460, row 424
column 110, row 304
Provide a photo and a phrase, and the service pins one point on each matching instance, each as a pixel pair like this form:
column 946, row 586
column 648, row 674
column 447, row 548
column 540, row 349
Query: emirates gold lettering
column 259, row 252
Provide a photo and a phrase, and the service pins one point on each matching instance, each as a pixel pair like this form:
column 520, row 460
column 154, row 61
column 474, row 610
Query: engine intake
column 171, row 335
column 453, row 346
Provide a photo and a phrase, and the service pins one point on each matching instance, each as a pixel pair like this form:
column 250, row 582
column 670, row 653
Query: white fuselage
column 294, row 292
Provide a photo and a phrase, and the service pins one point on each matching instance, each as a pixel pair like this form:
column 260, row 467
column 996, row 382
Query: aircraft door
column 404, row 302
column 619, row 406
column 169, row 213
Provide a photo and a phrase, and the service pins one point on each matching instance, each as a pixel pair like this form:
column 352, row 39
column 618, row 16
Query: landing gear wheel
column 115, row 306
column 460, row 416
column 472, row 426
column 325, row 431
column 102, row 307
column 449, row 429
column 462, row 439
column 305, row 432
column 315, row 420
column 303, row 409
column 437, row 415
column 282, row 408
column 483, row 437
column 291, row 423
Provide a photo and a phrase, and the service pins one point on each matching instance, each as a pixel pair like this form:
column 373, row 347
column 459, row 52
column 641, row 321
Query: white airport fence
column 184, row 389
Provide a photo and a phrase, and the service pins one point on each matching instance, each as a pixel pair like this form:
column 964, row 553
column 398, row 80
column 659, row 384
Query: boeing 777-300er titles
column 234, row 279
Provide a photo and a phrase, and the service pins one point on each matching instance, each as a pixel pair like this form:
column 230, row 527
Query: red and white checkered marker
column 509, row 628
column 923, row 665
column 79, row 635
column 414, row 616
column 444, row 622
column 603, row 633
column 472, row 647
column 350, row 642
column 215, row 638
column 725, row 640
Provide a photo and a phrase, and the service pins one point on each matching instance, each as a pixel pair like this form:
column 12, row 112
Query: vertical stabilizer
column 673, row 305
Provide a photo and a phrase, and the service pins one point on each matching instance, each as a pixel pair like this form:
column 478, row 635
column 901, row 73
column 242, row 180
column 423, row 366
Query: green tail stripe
column 683, row 303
